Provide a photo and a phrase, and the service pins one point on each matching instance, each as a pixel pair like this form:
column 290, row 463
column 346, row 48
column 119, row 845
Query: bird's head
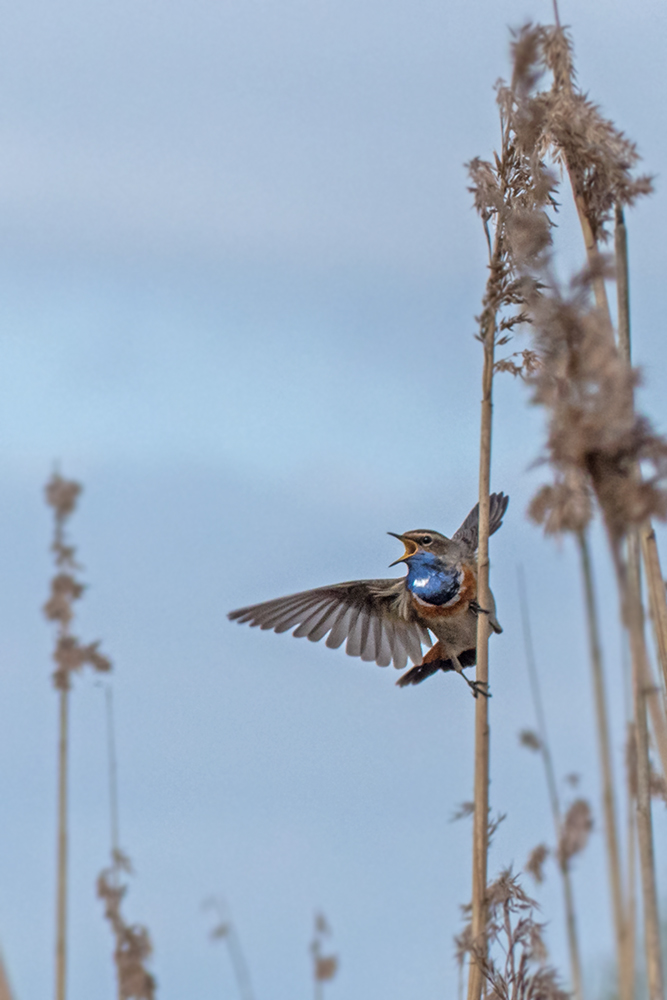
column 422, row 544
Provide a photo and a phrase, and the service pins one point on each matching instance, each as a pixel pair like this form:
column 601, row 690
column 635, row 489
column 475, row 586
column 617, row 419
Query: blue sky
column 238, row 278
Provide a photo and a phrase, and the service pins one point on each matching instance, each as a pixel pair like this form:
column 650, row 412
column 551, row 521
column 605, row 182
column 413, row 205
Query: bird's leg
column 476, row 609
column 477, row 687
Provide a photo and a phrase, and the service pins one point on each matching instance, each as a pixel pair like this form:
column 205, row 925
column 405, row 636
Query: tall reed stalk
column 641, row 673
column 554, row 798
column 482, row 734
column 499, row 190
column 624, row 960
column 70, row 656
column 113, row 801
column 62, row 848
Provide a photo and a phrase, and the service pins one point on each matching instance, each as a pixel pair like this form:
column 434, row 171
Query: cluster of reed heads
column 605, row 459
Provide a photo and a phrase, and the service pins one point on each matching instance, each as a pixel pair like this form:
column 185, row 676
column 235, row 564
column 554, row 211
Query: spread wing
column 468, row 534
column 375, row 616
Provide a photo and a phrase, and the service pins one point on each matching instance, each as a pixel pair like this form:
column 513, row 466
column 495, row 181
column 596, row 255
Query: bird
column 390, row 620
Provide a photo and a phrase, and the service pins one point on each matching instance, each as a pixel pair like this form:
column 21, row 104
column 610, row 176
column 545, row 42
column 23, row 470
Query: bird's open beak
column 410, row 547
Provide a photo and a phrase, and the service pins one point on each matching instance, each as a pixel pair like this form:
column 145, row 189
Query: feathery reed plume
column 133, row 943
column 70, row 656
column 325, row 966
column 563, row 829
column 225, row 930
column 514, row 962
column 597, row 443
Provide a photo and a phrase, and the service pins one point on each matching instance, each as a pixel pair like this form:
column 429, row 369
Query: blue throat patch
column 430, row 579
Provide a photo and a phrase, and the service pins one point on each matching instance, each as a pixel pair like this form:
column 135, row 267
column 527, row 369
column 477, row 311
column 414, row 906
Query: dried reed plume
column 513, row 960
column 133, row 945
column 70, row 656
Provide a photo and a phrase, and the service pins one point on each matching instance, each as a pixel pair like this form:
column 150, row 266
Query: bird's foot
column 477, row 687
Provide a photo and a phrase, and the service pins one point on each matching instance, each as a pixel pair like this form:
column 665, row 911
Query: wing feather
column 311, row 623
column 398, row 653
column 383, row 659
column 369, row 647
column 287, row 620
column 375, row 617
column 320, row 630
column 340, row 629
column 356, row 640
column 468, row 534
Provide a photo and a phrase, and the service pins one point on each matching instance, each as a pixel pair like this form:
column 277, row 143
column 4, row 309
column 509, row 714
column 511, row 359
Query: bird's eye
column 426, row 539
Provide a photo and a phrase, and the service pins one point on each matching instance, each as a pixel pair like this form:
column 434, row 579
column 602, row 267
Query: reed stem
column 625, row 966
column 482, row 731
column 631, row 916
column 630, row 582
column 61, row 898
column 552, row 786
column 113, row 807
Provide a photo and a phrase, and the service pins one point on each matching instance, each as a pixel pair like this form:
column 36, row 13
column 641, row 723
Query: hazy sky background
column 238, row 277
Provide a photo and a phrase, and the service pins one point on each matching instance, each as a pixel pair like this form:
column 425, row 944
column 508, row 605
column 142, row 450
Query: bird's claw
column 479, row 687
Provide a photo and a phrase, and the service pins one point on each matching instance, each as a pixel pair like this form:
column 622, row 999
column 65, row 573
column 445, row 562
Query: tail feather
column 423, row 670
column 431, row 664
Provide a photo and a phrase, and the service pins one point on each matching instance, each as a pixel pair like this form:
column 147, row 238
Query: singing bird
column 385, row 620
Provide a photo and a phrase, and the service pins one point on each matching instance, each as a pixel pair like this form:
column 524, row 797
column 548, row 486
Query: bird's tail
column 423, row 670
column 434, row 661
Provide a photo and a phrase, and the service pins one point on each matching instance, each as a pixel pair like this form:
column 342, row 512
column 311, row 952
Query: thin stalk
column 642, row 673
column 239, row 964
column 625, row 967
column 655, row 585
column 550, row 774
column 622, row 283
column 61, row 899
column 632, row 868
column 113, row 771
column 113, row 805
column 632, row 611
column 482, row 733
